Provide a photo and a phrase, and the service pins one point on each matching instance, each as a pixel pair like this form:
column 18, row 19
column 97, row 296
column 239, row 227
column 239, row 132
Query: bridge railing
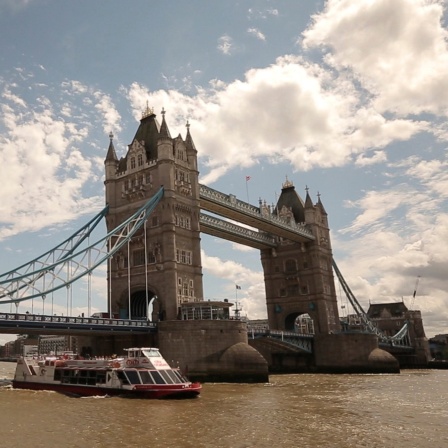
column 231, row 201
column 76, row 320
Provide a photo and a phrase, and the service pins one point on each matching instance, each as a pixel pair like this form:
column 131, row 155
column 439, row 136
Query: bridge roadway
column 228, row 206
column 15, row 323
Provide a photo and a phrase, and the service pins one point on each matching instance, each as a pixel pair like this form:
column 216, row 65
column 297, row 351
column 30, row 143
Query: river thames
column 316, row 411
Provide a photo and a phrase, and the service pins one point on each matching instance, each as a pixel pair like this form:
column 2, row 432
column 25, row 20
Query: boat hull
column 157, row 392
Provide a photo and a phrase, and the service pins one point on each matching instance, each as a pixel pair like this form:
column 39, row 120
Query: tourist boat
column 143, row 373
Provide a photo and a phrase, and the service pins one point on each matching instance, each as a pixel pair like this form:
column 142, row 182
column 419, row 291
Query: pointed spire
column 308, row 201
column 164, row 131
column 319, row 203
column 188, row 140
column 111, row 154
column 148, row 112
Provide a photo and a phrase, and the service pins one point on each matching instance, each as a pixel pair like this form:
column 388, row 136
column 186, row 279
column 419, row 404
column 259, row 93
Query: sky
column 348, row 99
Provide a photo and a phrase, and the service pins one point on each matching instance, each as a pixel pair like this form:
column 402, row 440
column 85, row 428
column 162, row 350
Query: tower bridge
column 154, row 268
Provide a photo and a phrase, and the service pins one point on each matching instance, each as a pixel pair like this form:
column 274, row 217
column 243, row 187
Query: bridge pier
column 352, row 353
column 212, row 350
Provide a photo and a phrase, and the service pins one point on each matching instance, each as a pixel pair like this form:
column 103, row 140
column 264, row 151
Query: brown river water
column 310, row 411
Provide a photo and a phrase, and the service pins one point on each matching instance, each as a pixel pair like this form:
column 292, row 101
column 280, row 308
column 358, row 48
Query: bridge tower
column 161, row 267
column 298, row 276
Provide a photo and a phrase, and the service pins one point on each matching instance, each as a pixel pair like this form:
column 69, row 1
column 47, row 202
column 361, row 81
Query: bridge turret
column 298, row 276
column 192, row 152
column 111, row 168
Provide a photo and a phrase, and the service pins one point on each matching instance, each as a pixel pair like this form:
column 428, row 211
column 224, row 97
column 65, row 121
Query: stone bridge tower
column 298, row 276
column 161, row 267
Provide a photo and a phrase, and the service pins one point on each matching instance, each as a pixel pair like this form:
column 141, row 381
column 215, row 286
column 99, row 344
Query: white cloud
column 225, row 44
column 251, row 282
column 41, row 159
column 257, row 33
column 293, row 111
column 111, row 117
column 397, row 50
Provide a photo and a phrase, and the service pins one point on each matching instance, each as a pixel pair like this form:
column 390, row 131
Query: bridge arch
column 144, row 304
column 299, row 322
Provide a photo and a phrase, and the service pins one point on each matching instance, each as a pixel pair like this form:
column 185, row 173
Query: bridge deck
column 14, row 323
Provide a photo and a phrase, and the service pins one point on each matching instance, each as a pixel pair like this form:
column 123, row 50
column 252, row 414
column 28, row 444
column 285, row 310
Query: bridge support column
column 212, row 350
column 352, row 353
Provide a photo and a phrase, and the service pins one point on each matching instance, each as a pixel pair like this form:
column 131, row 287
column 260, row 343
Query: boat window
column 166, row 377
column 146, row 377
column 157, row 378
column 173, row 376
column 122, row 377
column 180, row 376
column 151, row 353
column 132, row 376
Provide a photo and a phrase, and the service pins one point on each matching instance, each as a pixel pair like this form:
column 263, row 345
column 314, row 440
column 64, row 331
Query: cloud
column 256, row 33
column 42, row 159
column 235, row 273
column 262, row 14
column 292, row 111
column 396, row 50
column 225, row 44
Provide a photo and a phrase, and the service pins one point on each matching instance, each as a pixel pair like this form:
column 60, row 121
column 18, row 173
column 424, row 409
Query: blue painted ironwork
column 369, row 324
column 44, row 275
column 303, row 342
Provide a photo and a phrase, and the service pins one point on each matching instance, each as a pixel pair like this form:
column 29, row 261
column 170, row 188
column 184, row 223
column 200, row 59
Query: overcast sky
column 349, row 98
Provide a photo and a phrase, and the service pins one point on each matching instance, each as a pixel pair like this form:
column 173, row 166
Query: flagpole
column 247, row 188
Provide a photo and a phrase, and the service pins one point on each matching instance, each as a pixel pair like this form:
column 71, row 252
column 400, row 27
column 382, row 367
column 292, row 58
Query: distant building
column 56, row 344
column 391, row 317
column 438, row 345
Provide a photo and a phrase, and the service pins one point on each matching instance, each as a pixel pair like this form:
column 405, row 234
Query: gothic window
column 304, row 289
column 183, row 221
column 139, row 257
column 132, row 163
column 125, row 262
column 140, row 160
column 290, row 265
column 151, row 257
column 140, row 180
column 282, row 292
column 183, row 256
column 148, row 178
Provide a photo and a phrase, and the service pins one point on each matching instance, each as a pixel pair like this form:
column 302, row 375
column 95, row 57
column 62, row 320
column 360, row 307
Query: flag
column 237, row 287
column 247, row 178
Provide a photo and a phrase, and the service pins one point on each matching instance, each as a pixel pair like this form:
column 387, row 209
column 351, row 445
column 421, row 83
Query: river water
column 311, row 411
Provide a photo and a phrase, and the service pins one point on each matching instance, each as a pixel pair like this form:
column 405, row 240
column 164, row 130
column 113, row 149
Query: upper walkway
column 228, row 206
